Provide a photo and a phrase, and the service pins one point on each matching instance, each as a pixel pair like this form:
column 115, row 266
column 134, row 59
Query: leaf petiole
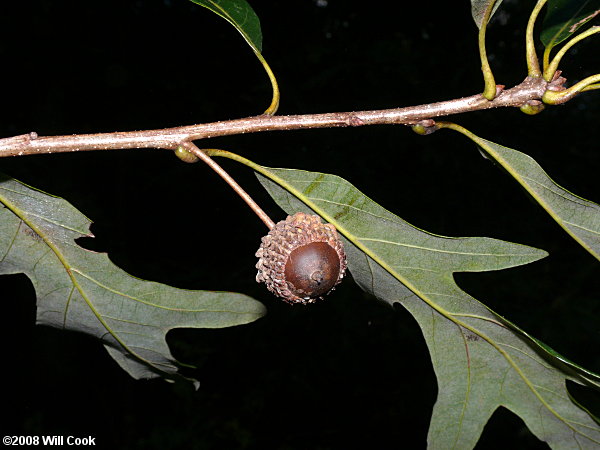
column 489, row 90
column 533, row 65
column 274, row 106
column 243, row 18
column 553, row 66
column 558, row 97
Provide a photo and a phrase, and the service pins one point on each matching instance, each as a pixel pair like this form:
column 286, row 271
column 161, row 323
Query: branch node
column 355, row 121
column 557, row 83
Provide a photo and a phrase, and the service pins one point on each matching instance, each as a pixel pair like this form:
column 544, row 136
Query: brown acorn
column 301, row 259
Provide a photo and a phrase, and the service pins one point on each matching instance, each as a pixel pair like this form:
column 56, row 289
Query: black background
column 347, row 373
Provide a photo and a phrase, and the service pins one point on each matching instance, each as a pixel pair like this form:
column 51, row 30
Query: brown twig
column 191, row 147
column 171, row 138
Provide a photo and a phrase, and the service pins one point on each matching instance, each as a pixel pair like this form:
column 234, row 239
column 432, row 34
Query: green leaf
column 84, row 291
column 579, row 217
column 481, row 361
column 239, row 14
column 564, row 18
column 479, row 8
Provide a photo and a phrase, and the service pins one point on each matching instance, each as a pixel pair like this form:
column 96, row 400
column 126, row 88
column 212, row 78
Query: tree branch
column 170, row 138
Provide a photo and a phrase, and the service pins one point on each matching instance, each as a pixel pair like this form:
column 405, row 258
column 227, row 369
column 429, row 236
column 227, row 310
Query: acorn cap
column 301, row 259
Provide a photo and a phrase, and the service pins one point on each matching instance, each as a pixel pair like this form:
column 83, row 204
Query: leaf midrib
column 225, row 15
column 551, row 43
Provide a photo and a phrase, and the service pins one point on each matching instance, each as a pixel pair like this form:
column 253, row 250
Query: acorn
column 301, row 259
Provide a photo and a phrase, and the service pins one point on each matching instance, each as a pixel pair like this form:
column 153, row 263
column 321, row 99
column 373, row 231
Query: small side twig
column 192, row 148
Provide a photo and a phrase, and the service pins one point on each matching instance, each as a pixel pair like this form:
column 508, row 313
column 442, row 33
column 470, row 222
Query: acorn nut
column 301, row 259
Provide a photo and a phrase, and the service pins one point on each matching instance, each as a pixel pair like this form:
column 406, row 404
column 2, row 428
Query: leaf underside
column 239, row 14
column 565, row 18
column 81, row 290
column 579, row 217
column 481, row 361
column 479, row 7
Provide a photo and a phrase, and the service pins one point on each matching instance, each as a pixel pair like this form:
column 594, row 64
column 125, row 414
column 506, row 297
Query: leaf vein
column 436, row 250
column 557, row 193
column 155, row 305
column 582, row 227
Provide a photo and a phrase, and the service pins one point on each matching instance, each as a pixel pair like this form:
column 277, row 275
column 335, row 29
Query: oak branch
column 530, row 91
